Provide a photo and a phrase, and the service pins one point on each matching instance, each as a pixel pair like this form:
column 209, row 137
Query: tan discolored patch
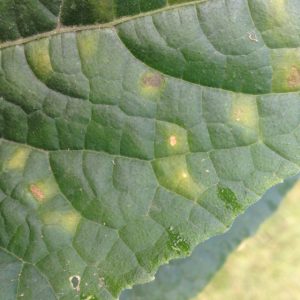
column 44, row 190
column 286, row 70
column 173, row 140
column 152, row 80
column 294, row 78
column 244, row 111
column 18, row 160
column 37, row 192
column 152, row 83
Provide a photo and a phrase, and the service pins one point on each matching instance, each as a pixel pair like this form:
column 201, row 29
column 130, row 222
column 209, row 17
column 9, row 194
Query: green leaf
column 183, row 279
column 126, row 145
column 75, row 12
column 24, row 18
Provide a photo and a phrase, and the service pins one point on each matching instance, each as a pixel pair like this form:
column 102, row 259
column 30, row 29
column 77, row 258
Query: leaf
column 184, row 278
column 127, row 145
column 26, row 18
column 75, row 12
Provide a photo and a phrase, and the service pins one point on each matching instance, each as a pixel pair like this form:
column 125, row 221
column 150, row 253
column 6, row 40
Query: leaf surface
column 127, row 145
column 184, row 278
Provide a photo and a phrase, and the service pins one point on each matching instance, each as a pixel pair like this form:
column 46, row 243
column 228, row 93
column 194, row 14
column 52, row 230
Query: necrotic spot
column 75, row 282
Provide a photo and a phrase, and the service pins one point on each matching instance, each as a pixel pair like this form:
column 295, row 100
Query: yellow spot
column 173, row 174
column 184, row 175
column 18, row 159
column 244, row 111
column 87, row 43
column 152, row 83
column 173, row 140
column 44, row 190
column 278, row 11
column 39, row 58
column 68, row 220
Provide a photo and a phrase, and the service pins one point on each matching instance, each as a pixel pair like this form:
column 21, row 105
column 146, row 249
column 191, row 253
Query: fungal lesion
column 173, row 140
column 286, row 70
column 37, row 192
column 43, row 190
column 293, row 79
column 38, row 57
column 173, row 174
column 75, row 282
column 67, row 220
column 244, row 111
column 152, row 83
column 18, row 159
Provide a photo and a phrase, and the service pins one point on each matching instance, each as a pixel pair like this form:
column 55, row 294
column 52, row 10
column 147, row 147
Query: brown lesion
column 294, row 78
column 37, row 193
column 152, row 80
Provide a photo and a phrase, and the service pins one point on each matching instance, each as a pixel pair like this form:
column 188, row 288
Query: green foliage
column 126, row 145
column 183, row 279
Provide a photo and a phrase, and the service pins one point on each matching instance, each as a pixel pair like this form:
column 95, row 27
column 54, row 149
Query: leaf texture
column 184, row 278
column 126, row 145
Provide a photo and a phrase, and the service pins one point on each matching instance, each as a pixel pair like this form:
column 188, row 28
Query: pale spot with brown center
column 75, row 282
column 238, row 114
column 152, row 80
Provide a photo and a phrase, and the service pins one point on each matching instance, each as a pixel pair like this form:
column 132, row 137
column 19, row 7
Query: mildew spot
column 244, row 111
column 154, row 80
column 294, row 78
column 87, row 43
column 173, row 140
column 173, row 174
column 43, row 190
column 18, row 160
column 37, row 193
column 152, row 83
column 184, row 175
column 75, row 282
column 39, row 58
column 67, row 220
